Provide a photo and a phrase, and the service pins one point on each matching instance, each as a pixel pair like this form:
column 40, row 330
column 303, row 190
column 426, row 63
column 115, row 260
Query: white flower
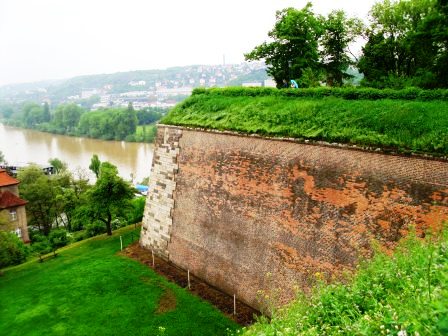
column 402, row 333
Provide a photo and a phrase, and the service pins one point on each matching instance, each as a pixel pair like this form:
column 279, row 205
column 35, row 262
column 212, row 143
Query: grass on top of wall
column 401, row 125
column 90, row 290
column 405, row 294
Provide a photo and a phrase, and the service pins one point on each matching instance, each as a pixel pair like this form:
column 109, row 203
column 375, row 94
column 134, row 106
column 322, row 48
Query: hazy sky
column 50, row 39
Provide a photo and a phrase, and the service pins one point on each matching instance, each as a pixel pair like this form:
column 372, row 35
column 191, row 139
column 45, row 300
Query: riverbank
column 23, row 145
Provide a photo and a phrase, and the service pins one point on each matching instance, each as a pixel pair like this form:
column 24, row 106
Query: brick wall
column 257, row 214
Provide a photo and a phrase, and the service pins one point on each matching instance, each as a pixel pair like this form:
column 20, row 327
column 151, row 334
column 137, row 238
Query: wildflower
column 403, row 333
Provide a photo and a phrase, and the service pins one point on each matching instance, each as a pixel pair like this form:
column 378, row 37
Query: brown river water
column 20, row 146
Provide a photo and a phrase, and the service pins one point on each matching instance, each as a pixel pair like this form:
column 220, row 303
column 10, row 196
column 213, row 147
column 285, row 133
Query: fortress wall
column 254, row 214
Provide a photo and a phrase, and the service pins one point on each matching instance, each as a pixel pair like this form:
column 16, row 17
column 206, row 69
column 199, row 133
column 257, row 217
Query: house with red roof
column 12, row 207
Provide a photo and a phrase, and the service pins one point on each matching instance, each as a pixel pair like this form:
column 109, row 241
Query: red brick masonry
column 245, row 207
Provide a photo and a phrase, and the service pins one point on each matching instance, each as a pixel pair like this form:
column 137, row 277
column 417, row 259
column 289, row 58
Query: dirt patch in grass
column 167, row 302
column 245, row 315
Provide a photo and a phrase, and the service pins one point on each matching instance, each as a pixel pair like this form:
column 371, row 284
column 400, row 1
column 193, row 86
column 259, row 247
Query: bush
column 138, row 206
column 12, row 249
column 77, row 236
column 95, row 228
column 349, row 93
column 40, row 245
column 58, row 238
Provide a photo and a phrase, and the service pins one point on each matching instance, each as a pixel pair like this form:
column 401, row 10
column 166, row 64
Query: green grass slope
column 90, row 290
column 393, row 123
column 406, row 294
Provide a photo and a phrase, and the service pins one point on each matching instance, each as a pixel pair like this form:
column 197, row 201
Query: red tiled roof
column 6, row 180
column 9, row 200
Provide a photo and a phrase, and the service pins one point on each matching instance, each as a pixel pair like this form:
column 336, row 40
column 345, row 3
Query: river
column 21, row 146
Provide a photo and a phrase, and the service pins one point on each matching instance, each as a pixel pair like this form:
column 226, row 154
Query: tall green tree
column 95, row 165
column 32, row 114
column 41, row 192
column 12, row 249
column 46, row 112
column 339, row 33
column 110, row 197
column 66, row 118
column 405, row 44
column 58, row 165
column 293, row 53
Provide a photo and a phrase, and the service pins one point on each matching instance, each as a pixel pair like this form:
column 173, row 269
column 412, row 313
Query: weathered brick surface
column 157, row 217
column 246, row 207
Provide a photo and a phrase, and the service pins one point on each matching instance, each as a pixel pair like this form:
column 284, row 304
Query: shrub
column 349, row 93
column 58, row 238
column 95, row 228
column 12, row 250
column 138, row 206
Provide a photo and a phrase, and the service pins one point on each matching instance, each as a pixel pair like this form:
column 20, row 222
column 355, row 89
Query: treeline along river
column 23, row 145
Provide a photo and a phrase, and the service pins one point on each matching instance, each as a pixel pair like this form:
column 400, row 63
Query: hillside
column 148, row 82
column 407, row 121
column 89, row 289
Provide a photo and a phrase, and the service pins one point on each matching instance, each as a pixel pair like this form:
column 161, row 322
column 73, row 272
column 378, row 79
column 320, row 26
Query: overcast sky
column 51, row 39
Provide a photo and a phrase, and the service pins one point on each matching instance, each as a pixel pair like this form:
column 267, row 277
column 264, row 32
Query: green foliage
column 94, row 229
column 95, row 165
column 110, row 124
column 40, row 245
column 398, row 124
column 410, row 93
column 110, row 197
column 58, row 238
column 405, row 294
column 135, row 215
column 89, row 289
column 150, row 115
column 66, row 119
column 2, row 157
column 339, row 32
column 407, row 44
column 145, row 133
column 295, row 45
column 12, row 250
column 58, row 165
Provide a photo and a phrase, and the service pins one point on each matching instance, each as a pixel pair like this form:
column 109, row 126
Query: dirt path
column 245, row 315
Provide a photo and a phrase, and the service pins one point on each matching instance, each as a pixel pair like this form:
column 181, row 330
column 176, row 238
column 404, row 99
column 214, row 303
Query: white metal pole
column 121, row 243
column 234, row 304
column 152, row 253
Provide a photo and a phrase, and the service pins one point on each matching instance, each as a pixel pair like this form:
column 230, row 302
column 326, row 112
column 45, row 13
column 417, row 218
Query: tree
column 95, row 165
column 294, row 50
column 340, row 31
column 33, row 115
column 66, row 118
column 2, row 157
column 46, row 112
column 12, row 249
column 57, row 239
column 110, row 197
column 41, row 192
column 404, row 44
column 58, row 165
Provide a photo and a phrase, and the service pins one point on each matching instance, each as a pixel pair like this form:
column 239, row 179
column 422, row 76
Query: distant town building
column 137, row 83
column 270, row 83
column 87, row 93
column 251, row 84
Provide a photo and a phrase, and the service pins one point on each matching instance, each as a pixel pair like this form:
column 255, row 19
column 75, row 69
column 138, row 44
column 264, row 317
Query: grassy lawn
column 90, row 290
column 402, row 125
